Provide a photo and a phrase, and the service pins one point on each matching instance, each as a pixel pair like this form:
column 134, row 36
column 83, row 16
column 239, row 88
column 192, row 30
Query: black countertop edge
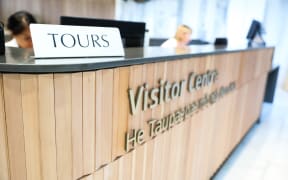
column 73, row 68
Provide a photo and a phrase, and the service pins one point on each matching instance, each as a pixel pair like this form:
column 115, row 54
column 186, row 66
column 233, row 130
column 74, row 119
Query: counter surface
column 22, row 61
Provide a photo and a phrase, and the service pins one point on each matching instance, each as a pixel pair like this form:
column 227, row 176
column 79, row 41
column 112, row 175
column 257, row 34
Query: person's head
column 183, row 34
column 18, row 23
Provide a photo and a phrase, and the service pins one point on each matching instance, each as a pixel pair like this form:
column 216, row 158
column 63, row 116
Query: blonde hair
column 180, row 30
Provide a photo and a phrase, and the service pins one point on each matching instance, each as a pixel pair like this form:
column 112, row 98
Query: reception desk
column 156, row 113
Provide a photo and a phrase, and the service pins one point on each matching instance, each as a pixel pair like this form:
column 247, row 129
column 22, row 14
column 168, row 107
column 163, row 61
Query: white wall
column 160, row 15
column 276, row 26
column 207, row 18
column 240, row 15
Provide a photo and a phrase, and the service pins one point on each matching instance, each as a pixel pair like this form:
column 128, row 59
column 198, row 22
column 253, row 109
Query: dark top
column 19, row 60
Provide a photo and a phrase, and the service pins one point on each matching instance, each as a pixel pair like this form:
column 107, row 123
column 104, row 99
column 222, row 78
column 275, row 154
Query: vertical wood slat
column 4, row 160
column 29, row 93
column 139, row 76
column 185, row 135
column 203, row 140
column 135, row 81
column 139, row 163
column 89, row 122
column 140, row 153
column 148, row 77
column 99, row 131
column 125, row 167
column 190, row 148
column 99, row 175
column 220, row 128
column 170, row 107
column 185, row 149
column 235, row 121
column 260, row 90
column 62, row 83
column 177, row 132
column 133, row 164
column 191, row 66
column 47, row 124
column 152, row 168
column 15, row 128
column 148, row 147
column 250, row 111
column 77, row 125
column 123, row 109
column 247, row 65
column 168, row 165
column 229, row 118
column 212, row 131
column 182, row 130
column 116, row 106
column 264, row 62
column 107, row 115
column 157, row 156
column 110, row 172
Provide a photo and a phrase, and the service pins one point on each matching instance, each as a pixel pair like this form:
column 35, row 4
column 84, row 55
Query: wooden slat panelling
column 125, row 167
column 47, row 126
column 107, row 115
column 148, row 77
column 89, row 126
column 29, row 94
column 116, row 112
column 98, row 175
column 123, row 110
column 73, row 125
column 63, row 107
column 4, row 160
column 149, row 149
column 77, row 126
column 99, row 121
column 110, row 172
column 195, row 148
column 136, row 80
column 15, row 129
column 139, row 163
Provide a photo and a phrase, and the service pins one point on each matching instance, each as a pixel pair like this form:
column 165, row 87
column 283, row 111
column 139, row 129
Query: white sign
column 51, row 41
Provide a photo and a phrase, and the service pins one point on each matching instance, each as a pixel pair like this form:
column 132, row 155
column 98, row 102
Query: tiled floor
column 263, row 155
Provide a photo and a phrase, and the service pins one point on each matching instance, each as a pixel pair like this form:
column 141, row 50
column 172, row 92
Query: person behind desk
column 181, row 38
column 18, row 23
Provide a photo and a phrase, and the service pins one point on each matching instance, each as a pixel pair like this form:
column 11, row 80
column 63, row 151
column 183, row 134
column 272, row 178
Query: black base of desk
column 271, row 85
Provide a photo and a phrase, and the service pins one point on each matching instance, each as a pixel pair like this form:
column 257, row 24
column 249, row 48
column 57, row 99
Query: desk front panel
column 75, row 125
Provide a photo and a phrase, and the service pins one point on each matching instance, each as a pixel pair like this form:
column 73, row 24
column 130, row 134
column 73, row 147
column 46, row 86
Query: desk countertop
column 18, row 60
